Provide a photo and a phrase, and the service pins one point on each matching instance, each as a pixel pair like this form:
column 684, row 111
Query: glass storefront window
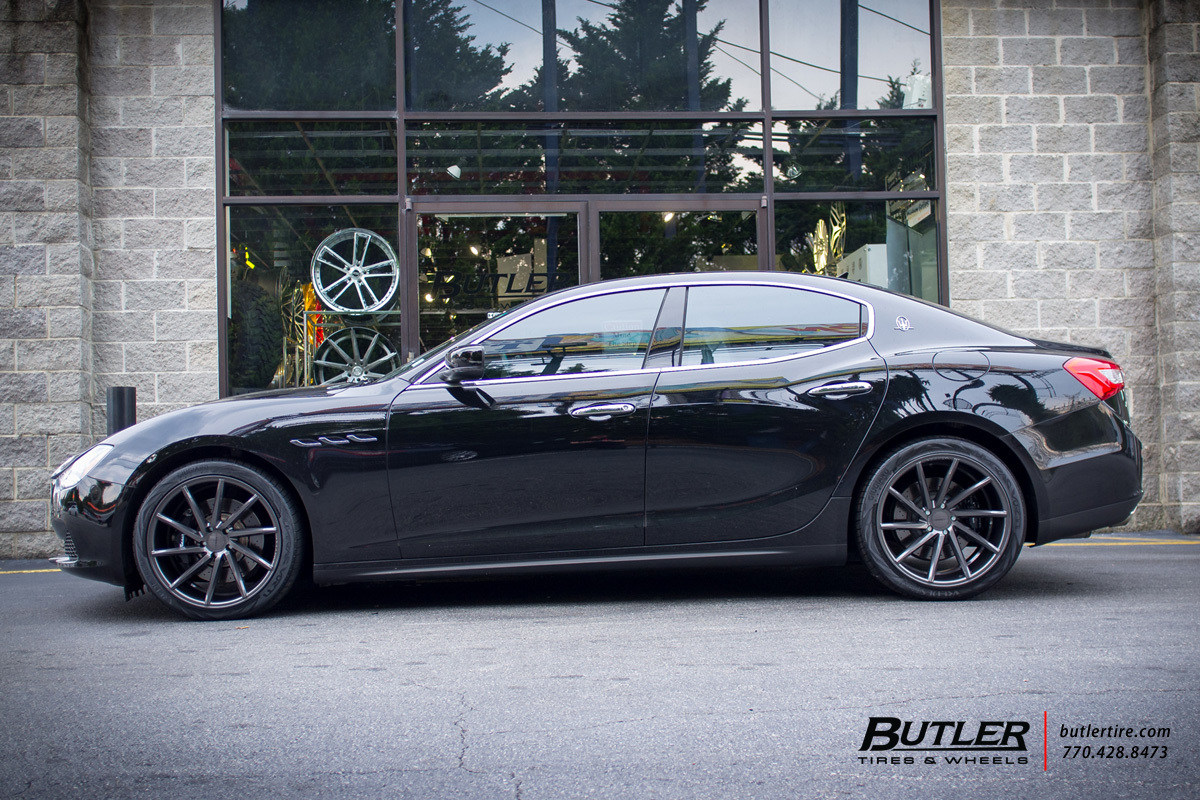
column 314, row 158
column 646, row 115
column 892, row 244
column 692, row 55
column 474, row 265
column 652, row 242
column 281, row 330
column 309, row 55
column 888, row 154
column 630, row 157
column 843, row 54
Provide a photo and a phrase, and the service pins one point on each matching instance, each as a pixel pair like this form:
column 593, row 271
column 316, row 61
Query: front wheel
column 218, row 540
column 940, row 519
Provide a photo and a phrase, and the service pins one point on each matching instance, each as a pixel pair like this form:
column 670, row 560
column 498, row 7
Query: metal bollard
column 122, row 408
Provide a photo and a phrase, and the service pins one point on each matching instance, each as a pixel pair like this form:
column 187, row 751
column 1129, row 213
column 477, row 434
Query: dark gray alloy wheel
column 354, row 355
column 218, row 540
column 941, row 519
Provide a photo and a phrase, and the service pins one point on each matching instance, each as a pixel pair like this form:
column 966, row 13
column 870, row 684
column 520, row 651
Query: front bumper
column 90, row 520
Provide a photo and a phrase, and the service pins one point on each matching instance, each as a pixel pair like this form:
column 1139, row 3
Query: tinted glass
column 282, row 331
column 598, row 334
column 322, row 158
column 618, row 56
column 584, row 158
column 883, row 51
column 891, row 243
column 472, row 266
column 853, row 155
column 653, row 242
column 309, row 55
column 748, row 323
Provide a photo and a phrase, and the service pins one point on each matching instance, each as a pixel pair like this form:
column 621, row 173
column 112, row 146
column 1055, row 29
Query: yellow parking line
column 26, row 571
column 1126, row 542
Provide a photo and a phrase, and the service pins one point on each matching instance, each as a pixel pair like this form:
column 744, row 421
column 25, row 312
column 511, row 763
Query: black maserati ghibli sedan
column 715, row 419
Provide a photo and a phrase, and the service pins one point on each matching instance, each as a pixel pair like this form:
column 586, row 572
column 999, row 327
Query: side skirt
column 812, row 555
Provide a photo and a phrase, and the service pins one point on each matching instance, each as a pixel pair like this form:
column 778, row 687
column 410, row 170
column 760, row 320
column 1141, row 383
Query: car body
column 711, row 419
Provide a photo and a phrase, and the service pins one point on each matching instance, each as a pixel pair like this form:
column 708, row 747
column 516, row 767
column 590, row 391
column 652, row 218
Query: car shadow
column 592, row 588
column 1031, row 579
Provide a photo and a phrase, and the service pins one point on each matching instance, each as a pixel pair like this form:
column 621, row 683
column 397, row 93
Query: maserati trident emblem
column 902, row 324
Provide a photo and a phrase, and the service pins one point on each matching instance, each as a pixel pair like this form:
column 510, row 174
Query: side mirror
column 463, row 364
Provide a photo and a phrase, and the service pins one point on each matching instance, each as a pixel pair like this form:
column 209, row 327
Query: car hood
column 226, row 421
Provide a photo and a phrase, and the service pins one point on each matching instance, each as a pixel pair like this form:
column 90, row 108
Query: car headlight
column 73, row 471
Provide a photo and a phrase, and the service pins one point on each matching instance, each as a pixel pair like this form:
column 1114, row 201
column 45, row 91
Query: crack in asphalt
column 461, row 724
column 29, row 785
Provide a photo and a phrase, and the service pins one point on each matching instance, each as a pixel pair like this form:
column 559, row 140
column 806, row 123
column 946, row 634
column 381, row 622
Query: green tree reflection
column 310, row 55
column 444, row 69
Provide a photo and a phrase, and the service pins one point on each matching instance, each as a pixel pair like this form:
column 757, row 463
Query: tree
column 444, row 70
column 309, row 54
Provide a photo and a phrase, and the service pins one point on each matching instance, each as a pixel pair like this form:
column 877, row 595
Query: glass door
column 474, row 265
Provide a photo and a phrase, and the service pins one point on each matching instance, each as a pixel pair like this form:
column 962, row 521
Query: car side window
column 749, row 323
column 596, row 334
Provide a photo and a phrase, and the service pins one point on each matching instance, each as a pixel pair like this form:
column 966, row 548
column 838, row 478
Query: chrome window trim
column 419, row 382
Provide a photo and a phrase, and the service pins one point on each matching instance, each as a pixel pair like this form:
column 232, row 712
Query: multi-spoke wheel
column 355, row 271
column 354, row 355
column 218, row 540
column 941, row 519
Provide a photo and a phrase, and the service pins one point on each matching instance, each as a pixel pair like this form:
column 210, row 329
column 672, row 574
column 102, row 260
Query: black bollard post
column 122, row 408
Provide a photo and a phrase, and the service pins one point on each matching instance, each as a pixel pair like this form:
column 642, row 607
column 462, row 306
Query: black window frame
column 407, row 205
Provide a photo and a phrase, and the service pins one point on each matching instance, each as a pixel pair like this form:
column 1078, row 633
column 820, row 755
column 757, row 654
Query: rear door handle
column 603, row 411
column 839, row 391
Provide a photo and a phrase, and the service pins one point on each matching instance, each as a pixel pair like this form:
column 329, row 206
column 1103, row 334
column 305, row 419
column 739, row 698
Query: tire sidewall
column 290, row 539
column 880, row 564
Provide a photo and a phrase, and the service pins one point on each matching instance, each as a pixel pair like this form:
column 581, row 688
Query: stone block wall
column 153, row 162
column 45, row 262
column 1174, row 39
column 107, row 230
column 1051, row 186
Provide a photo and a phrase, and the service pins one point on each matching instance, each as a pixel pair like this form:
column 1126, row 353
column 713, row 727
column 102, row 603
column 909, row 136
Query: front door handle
column 603, row 411
column 840, row 391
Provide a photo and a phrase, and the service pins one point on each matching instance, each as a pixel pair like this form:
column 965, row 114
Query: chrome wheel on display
column 941, row 518
column 218, row 540
column 354, row 355
column 355, row 271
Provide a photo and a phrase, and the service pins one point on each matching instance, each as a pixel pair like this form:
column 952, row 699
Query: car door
column 546, row 453
column 753, row 426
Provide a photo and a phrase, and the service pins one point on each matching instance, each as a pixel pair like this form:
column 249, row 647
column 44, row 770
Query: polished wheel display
column 218, row 540
column 355, row 271
column 941, row 519
column 354, row 355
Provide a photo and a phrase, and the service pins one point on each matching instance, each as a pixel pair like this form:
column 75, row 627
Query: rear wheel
column 218, row 540
column 941, row 519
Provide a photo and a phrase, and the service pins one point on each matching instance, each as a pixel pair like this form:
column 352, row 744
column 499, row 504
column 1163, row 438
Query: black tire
column 943, row 496
column 219, row 540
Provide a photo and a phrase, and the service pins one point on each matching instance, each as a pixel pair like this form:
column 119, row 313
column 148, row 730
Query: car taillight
column 1102, row 378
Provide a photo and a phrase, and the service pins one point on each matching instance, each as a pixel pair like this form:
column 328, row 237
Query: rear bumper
column 1081, row 522
column 1095, row 484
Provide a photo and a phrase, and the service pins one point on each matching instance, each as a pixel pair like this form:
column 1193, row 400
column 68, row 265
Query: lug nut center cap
column 940, row 519
column 216, row 542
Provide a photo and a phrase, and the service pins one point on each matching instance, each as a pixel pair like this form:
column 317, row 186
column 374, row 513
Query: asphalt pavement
column 756, row 684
